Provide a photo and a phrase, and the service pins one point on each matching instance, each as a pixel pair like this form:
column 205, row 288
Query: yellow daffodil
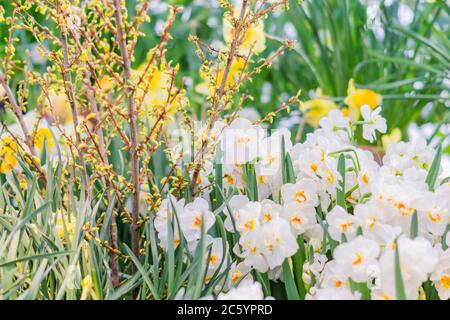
column 394, row 136
column 41, row 135
column 8, row 148
column 214, row 80
column 106, row 83
column 254, row 38
column 356, row 98
column 156, row 86
column 317, row 108
column 58, row 106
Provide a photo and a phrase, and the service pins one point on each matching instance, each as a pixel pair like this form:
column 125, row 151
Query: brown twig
column 69, row 89
column 135, row 232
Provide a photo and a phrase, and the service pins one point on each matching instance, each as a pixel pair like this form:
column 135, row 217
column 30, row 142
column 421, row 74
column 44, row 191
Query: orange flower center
column 197, row 221
column 445, row 281
column 365, row 178
column 250, row 225
column 296, row 219
column 357, row 260
column 434, row 217
column 300, row 197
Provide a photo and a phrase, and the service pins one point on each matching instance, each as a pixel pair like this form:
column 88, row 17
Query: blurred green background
column 398, row 48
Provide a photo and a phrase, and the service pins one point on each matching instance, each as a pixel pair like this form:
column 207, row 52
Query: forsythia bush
column 112, row 187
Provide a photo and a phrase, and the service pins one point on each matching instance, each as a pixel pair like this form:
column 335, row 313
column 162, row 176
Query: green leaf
column 144, row 273
column 287, row 169
column 399, row 286
column 434, row 169
column 291, row 289
column 250, row 178
column 263, row 278
column 340, row 192
column 35, row 257
column 297, row 261
column 414, row 225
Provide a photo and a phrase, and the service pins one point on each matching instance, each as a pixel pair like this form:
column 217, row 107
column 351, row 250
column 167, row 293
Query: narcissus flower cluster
column 354, row 226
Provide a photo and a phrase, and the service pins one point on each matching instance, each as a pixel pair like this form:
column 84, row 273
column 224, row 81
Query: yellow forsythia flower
column 317, row 108
column 356, row 98
column 8, row 148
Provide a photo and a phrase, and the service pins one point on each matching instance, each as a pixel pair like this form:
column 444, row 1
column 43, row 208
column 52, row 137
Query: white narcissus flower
column 398, row 199
column 238, row 272
column 315, row 268
column 334, row 275
column 434, row 213
column 314, row 236
column 336, row 123
column 417, row 260
column 301, row 217
column 246, row 218
column 168, row 208
column 195, row 216
column 246, row 290
column 252, row 250
column 302, row 192
column 367, row 174
column 441, row 275
column 357, row 256
column 215, row 255
column 373, row 219
column 403, row 155
column 372, row 122
column 270, row 163
column 341, row 222
column 241, row 142
column 269, row 211
column 278, row 242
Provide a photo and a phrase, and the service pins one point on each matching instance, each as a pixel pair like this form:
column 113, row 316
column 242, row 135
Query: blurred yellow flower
column 41, row 135
column 155, row 86
column 356, row 98
column 106, row 83
column 317, row 108
column 254, row 38
column 394, row 136
column 86, row 285
column 57, row 104
column 213, row 81
column 65, row 224
column 2, row 93
column 8, row 148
